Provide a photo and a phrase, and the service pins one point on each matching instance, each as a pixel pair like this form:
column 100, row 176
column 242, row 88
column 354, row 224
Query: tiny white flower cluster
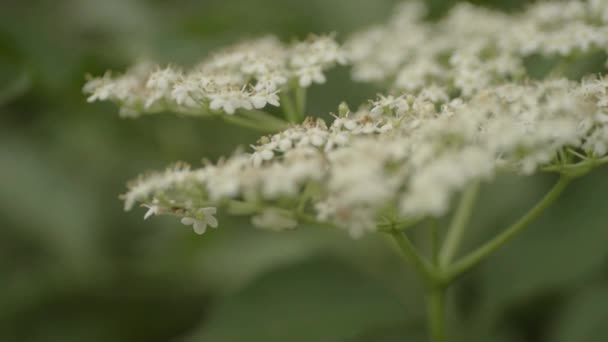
column 247, row 76
column 563, row 27
column 203, row 217
column 273, row 219
column 461, row 111
column 399, row 157
column 473, row 47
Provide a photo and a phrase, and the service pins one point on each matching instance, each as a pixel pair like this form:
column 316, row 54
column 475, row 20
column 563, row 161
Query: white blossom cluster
column 461, row 111
column 474, row 47
column 248, row 75
column 397, row 158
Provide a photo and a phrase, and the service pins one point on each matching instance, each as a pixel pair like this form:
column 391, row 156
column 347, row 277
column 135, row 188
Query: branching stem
column 458, row 225
column 422, row 266
column 477, row 256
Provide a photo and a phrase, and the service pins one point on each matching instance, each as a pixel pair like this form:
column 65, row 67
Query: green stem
column 400, row 225
column 301, row 101
column 430, row 273
column 411, row 255
column 458, row 224
column 435, row 304
column 576, row 169
column 434, row 230
column 507, row 235
column 304, row 198
column 265, row 118
column 244, row 122
column 289, row 108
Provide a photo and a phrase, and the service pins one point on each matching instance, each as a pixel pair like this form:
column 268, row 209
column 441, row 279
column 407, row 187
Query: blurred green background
column 75, row 267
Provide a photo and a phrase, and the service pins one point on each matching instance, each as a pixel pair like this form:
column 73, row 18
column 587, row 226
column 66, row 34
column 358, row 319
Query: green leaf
column 320, row 300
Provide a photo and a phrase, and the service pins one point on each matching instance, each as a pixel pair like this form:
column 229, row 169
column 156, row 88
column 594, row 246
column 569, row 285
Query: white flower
column 186, row 92
column 260, row 98
column 160, row 84
column 153, row 209
column 308, row 75
column 204, row 217
column 229, row 101
column 100, row 89
column 285, row 145
column 224, row 180
column 162, row 79
column 263, row 153
column 144, row 187
column 273, row 219
column 390, row 104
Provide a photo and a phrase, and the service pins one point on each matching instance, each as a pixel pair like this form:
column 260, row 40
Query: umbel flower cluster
column 398, row 159
column 246, row 76
column 473, row 47
column 461, row 110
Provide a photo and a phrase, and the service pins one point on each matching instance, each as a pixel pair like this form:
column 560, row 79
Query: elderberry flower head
column 397, row 158
column 472, row 47
column 249, row 75
column 459, row 110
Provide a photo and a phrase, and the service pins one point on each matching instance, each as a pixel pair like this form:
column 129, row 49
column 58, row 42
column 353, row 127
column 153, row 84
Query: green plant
column 460, row 110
